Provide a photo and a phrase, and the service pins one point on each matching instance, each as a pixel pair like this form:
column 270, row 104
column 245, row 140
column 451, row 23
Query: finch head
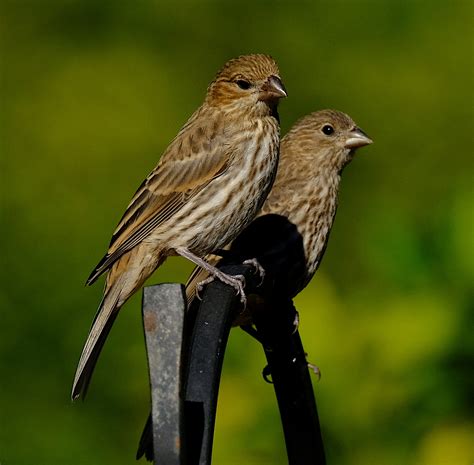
column 249, row 82
column 333, row 132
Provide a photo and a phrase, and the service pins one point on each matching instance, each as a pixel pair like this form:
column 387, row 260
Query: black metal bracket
column 289, row 372
column 206, row 355
column 185, row 366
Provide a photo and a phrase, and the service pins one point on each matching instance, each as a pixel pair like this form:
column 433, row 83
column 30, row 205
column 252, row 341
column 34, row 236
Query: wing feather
column 197, row 156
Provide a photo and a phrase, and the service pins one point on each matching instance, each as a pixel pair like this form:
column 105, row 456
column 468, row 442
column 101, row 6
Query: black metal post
column 206, row 355
column 185, row 369
column 289, row 372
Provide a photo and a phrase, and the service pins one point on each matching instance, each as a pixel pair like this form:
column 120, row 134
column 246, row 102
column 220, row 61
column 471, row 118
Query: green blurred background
column 92, row 93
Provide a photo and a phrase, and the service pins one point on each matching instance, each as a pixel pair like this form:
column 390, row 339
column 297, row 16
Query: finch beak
column 273, row 89
column 357, row 138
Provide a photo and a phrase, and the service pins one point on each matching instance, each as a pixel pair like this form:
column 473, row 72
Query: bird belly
column 226, row 205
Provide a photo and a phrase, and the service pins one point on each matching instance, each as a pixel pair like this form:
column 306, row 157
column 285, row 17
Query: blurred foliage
column 93, row 91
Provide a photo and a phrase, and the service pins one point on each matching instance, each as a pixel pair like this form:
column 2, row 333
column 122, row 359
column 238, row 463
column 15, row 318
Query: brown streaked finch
column 289, row 236
column 208, row 185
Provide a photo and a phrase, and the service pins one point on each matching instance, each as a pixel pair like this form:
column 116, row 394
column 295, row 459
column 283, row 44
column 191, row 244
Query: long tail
column 103, row 321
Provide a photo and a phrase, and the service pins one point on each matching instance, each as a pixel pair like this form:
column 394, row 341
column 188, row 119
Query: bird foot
column 201, row 285
column 237, row 282
column 258, row 269
column 315, row 370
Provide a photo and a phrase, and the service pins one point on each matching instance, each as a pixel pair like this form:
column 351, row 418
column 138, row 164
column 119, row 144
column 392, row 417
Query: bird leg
column 237, row 282
column 258, row 269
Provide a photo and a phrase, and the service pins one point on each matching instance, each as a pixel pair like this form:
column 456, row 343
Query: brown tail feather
column 124, row 278
column 98, row 333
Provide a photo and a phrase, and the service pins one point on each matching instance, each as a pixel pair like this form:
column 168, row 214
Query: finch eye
column 243, row 84
column 328, row 129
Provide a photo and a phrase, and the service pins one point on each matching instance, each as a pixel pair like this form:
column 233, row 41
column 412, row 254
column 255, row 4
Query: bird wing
column 197, row 155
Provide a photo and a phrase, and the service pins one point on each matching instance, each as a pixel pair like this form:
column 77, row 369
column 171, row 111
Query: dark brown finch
column 208, row 185
column 290, row 234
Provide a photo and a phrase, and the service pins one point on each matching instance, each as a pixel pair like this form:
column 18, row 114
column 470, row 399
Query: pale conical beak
column 357, row 138
column 273, row 88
